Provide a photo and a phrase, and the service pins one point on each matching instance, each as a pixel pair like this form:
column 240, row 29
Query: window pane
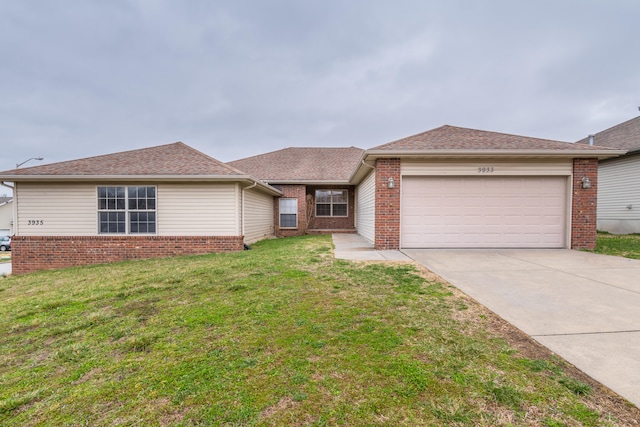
column 339, row 210
column 323, row 196
column 112, row 222
column 323, row 210
column 288, row 220
column 339, row 196
column 142, row 222
column 289, row 206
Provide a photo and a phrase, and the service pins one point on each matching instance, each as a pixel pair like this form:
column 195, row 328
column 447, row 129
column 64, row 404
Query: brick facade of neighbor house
column 299, row 192
column 387, row 204
column 584, row 205
column 33, row 253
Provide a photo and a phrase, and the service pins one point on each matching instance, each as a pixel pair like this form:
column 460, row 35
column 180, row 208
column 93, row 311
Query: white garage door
column 483, row 212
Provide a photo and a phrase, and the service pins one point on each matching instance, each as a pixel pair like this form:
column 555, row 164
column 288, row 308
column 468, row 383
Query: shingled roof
column 451, row 138
column 625, row 136
column 303, row 164
column 177, row 159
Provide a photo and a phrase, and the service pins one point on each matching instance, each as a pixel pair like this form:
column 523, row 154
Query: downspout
column 242, row 207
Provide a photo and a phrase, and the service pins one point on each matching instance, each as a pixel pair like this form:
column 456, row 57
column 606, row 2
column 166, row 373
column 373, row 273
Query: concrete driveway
column 582, row 306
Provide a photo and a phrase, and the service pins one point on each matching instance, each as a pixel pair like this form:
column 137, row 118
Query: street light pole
column 33, row 158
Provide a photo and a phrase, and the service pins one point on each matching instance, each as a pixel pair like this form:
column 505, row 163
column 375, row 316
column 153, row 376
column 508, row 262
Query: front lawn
column 624, row 245
column 282, row 335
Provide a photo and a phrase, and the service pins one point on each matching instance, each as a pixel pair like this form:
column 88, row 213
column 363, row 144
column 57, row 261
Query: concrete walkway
column 357, row 248
column 582, row 306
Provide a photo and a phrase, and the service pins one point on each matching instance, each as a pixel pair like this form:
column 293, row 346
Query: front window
column 288, row 213
column 127, row 210
column 332, row 203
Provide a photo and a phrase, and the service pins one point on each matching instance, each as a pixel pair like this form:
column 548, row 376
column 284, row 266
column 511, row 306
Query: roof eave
column 142, row 178
column 600, row 154
column 306, row 182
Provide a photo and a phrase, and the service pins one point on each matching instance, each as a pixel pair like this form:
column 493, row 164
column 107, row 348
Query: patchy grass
column 280, row 335
column 624, row 245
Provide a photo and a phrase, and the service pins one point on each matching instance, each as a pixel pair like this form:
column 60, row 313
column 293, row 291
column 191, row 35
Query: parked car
column 5, row 244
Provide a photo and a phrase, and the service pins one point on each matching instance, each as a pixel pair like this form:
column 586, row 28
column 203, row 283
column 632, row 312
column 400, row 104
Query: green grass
column 280, row 335
column 624, row 245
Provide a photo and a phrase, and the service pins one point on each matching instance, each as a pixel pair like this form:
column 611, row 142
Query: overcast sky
column 238, row 78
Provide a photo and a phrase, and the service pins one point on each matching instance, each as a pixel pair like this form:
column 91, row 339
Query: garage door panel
column 467, row 212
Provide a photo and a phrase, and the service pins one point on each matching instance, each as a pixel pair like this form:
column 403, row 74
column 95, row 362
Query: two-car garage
column 471, row 211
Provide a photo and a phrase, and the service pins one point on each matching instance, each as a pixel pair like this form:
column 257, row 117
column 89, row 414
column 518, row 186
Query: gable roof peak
column 174, row 159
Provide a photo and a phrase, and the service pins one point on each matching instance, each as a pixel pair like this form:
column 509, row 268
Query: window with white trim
column 332, row 203
column 127, row 210
column 288, row 213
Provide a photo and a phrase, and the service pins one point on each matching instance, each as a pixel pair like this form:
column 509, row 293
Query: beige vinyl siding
column 207, row 209
column 56, row 209
column 619, row 189
column 258, row 216
column 366, row 210
column 488, row 167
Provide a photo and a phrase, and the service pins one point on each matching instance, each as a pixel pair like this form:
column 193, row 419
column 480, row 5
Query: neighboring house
column 449, row 187
column 146, row 203
column 6, row 216
column 619, row 179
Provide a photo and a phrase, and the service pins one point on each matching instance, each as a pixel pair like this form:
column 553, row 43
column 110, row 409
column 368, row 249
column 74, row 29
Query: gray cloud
column 238, row 78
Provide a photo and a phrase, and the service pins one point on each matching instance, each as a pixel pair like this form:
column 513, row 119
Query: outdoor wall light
column 390, row 183
column 586, row 182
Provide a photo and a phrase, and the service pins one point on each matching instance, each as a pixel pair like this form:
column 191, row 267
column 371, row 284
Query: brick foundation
column 387, row 204
column 33, row 253
column 584, row 205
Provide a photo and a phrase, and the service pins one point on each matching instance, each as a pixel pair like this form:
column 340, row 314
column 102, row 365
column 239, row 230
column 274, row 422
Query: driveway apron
column 582, row 306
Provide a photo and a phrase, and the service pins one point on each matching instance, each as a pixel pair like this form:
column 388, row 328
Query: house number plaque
column 486, row 169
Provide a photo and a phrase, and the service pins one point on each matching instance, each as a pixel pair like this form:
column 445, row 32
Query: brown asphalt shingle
column 302, row 164
column 165, row 160
column 625, row 136
column 456, row 138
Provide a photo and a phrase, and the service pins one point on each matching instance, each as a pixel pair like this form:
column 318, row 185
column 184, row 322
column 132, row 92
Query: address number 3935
column 35, row 222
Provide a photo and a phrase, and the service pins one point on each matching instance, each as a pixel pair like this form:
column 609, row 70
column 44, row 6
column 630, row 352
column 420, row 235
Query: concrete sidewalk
column 582, row 306
column 357, row 248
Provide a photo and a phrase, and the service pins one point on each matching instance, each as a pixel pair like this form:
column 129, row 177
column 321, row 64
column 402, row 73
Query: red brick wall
column 292, row 192
column 387, row 205
column 33, row 253
column 584, row 205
